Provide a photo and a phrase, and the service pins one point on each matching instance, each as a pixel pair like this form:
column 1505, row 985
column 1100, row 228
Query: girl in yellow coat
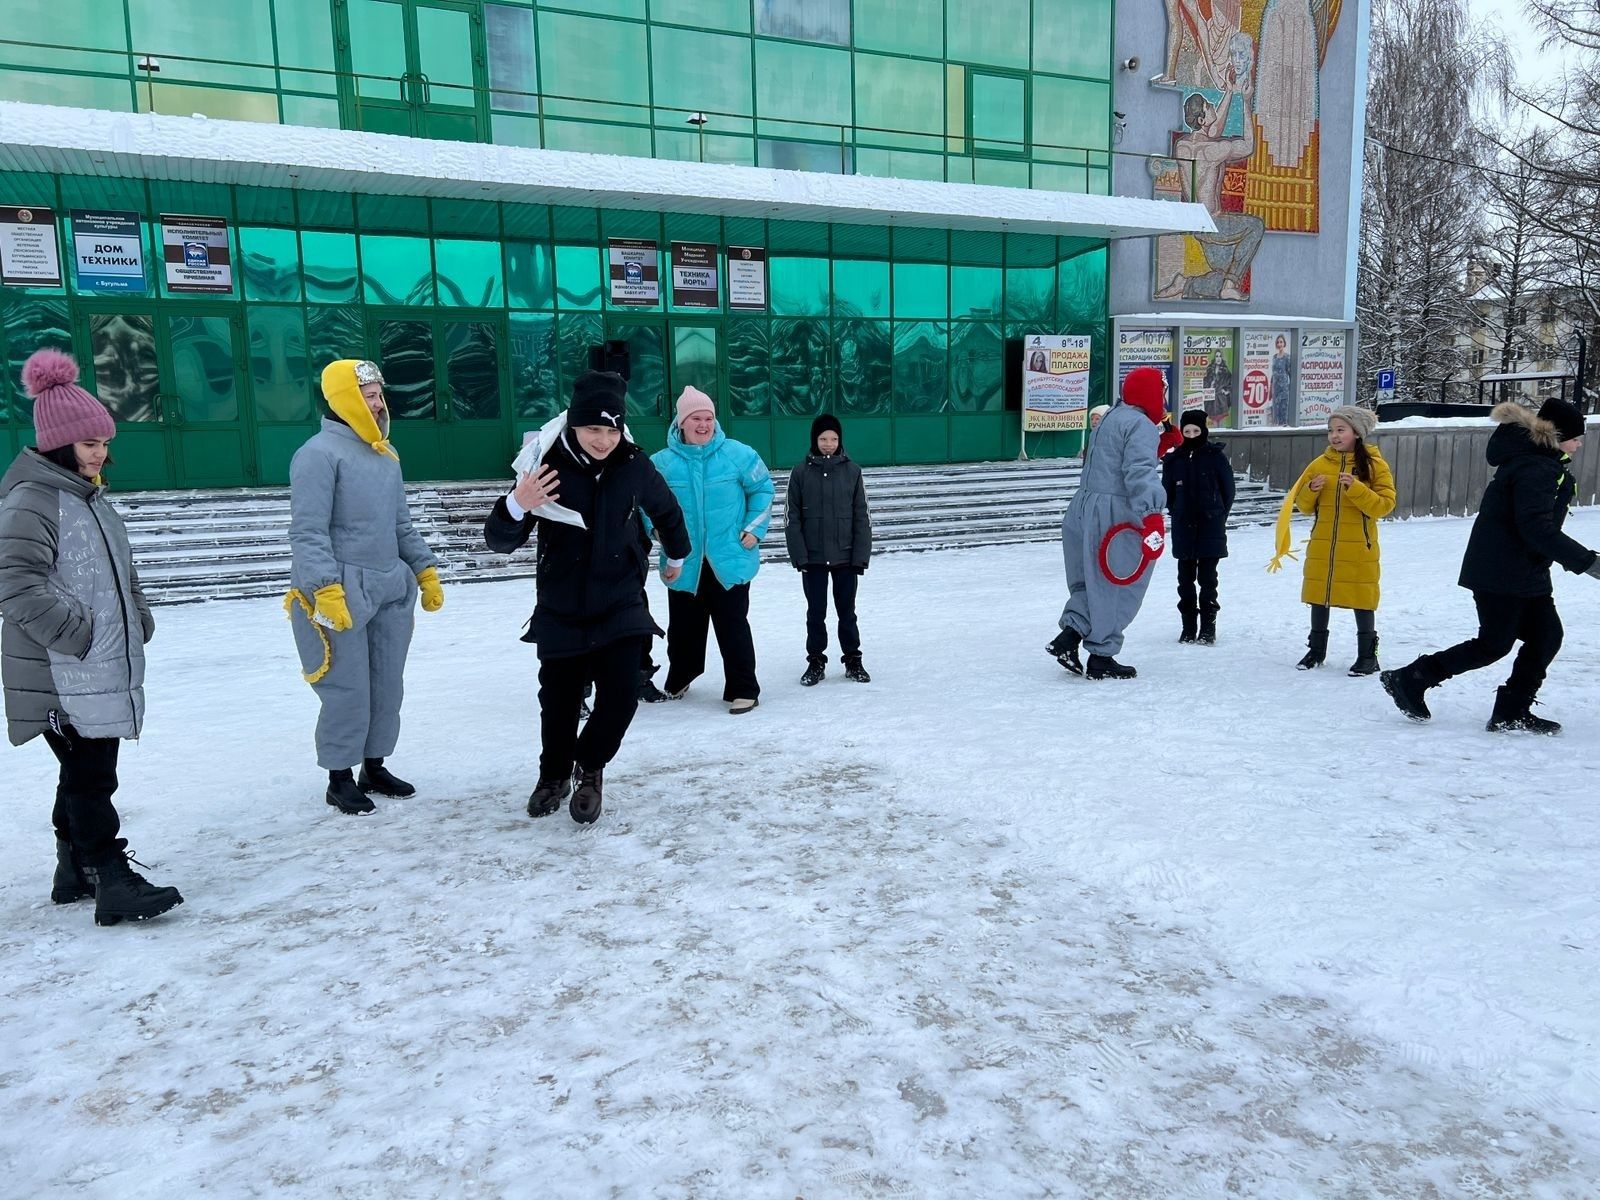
column 1347, row 487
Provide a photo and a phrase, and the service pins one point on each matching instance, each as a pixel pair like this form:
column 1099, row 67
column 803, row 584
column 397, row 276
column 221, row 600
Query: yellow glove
column 331, row 609
column 432, row 593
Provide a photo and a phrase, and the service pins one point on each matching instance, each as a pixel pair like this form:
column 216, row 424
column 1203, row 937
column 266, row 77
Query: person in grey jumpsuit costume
column 358, row 567
column 1121, row 485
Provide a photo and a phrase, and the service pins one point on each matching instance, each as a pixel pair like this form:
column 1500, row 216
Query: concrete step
column 194, row 545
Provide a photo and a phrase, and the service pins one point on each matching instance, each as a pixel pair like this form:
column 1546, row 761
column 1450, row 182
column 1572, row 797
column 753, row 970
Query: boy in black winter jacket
column 1200, row 489
column 586, row 482
column 1515, row 538
column 829, row 535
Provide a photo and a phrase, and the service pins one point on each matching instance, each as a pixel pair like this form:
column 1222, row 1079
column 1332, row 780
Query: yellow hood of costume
column 342, row 391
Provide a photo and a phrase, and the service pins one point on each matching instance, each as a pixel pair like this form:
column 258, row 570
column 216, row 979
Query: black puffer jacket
column 1517, row 533
column 1199, row 483
column 591, row 580
column 825, row 518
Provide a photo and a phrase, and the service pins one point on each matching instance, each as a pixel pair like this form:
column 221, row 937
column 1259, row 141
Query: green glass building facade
column 482, row 311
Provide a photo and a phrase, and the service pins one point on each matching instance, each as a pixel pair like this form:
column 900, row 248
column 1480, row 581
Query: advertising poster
column 1145, row 348
column 747, row 277
column 694, row 275
column 108, row 251
column 1267, row 385
column 1055, row 382
column 635, row 273
column 1322, row 363
column 195, row 252
column 1206, row 378
column 29, row 255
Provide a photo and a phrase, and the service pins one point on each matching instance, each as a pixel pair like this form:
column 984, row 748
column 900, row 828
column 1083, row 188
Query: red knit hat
column 63, row 412
column 1146, row 389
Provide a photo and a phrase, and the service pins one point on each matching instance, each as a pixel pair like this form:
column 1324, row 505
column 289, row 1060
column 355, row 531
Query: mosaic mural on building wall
column 1245, row 74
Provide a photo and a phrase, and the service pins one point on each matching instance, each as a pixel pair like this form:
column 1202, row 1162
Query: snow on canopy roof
column 46, row 138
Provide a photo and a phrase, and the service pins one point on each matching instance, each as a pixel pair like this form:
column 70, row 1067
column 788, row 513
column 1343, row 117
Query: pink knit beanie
column 63, row 413
column 693, row 400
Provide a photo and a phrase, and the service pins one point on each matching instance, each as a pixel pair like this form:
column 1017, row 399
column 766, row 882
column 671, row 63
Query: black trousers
column 1366, row 619
column 1502, row 622
column 1203, row 571
column 84, row 814
column 845, row 581
column 727, row 610
column 614, row 670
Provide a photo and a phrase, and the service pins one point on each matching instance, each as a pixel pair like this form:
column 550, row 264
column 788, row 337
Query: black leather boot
column 1366, row 662
column 344, row 795
column 854, row 671
column 1064, row 649
column 375, row 777
column 70, row 883
column 1317, row 642
column 1208, row 630
column 1190, row 627
column 1103, row 666
column 122, row 894
column 547, row 798
column 1406, row 689
column 1512, row 715
column 816, row 671
column 585, row 806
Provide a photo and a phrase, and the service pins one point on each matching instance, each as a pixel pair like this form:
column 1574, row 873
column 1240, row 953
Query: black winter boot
column 375, row 777
column 649, row 693
column 1065, row 650
column 70, row 883
column 585, row 806
column 122, row 894
column 1103, row 666
column 1405, row 688
column 547, row 798
column 1318, row 643
column 854, row 671
column 344, row 795
column 1208, row 630
column 1511, row 715
column 1366, row 662
column 816, row 670
column 1190, row 622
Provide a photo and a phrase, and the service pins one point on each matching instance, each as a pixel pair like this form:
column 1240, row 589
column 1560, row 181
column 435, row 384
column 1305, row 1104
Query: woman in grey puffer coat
column 72, row 642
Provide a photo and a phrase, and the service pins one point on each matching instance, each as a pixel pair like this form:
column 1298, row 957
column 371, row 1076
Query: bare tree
column 1422, row 196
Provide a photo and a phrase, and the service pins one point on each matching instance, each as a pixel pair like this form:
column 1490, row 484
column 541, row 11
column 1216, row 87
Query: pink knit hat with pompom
column 63, row 413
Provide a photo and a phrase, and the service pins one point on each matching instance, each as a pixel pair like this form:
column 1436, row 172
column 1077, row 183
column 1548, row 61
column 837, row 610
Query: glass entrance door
column 666, row 355
column 418, row 68
column 171, row 377
column 445, row 379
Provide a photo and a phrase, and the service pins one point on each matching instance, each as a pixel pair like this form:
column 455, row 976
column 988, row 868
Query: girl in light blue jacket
column 726, row 496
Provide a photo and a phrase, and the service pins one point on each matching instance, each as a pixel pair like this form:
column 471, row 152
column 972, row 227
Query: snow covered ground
column 979, row 929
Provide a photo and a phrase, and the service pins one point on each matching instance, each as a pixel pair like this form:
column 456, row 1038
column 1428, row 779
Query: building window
column 805, row 20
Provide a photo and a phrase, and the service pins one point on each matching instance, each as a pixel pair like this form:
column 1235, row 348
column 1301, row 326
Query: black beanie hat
column 1565, row 417
column 598, row 398
column 826, row 423
column 1194, row 416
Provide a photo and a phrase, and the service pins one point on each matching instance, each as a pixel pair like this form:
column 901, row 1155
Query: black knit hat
column 826, row 423
column 1195, row 416
column 598, row 398
column 1565, row 417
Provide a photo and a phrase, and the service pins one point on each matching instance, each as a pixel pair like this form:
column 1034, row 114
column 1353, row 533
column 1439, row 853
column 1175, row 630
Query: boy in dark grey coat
column 829, row 534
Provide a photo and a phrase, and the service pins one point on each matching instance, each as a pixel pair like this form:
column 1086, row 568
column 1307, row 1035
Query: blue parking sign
column 1386, row 379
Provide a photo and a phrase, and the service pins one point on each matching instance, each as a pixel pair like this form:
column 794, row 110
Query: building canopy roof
column 75, row 141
